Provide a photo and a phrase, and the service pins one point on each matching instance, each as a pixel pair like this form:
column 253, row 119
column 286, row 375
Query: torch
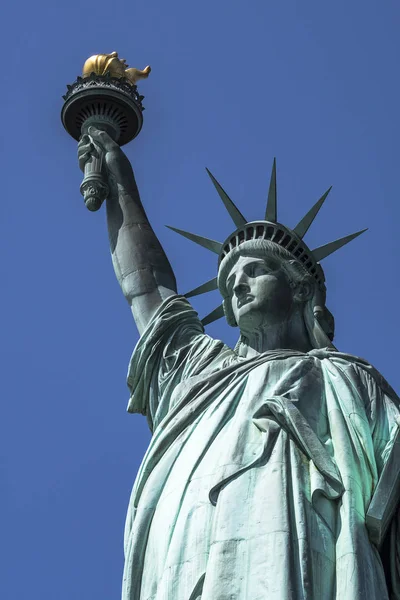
column 106, row 97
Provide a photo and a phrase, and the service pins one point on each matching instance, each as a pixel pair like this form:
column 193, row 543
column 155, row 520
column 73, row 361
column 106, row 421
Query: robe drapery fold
column 259, row 473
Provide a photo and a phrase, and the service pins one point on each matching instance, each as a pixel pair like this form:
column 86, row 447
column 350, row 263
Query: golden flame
column 115, row 66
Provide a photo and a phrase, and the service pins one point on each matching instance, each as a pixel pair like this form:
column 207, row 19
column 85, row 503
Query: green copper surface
column 233, row 211
column 271, row 212
column 259, row 472
column 303, row 226
column 264, row 459
column 199, row 239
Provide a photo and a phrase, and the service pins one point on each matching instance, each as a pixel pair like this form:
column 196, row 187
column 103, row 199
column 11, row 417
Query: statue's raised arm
column 141, row 266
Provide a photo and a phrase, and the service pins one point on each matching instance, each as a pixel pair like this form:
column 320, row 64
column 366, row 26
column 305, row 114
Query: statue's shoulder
column 361, row 368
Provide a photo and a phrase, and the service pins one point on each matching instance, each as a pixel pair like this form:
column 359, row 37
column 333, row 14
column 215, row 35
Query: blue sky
column 234, row 84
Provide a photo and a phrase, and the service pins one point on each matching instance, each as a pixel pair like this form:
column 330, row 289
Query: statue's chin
column 250, row 318
column 243, row 312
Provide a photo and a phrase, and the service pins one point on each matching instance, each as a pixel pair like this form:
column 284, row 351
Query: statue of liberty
column 265, row 458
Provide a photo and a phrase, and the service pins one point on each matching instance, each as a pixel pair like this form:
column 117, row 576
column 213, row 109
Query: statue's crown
column 270, row 230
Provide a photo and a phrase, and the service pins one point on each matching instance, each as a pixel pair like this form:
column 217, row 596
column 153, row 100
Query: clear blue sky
column 234, row 84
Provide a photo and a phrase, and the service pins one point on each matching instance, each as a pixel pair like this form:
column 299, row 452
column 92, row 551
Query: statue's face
column 260, row 292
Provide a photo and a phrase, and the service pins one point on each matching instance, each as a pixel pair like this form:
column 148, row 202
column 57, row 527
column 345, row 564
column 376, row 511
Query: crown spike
column 233, row 211
column 209, row 286
column 303, row 226
column 200, row 240
column 271, row 213
column 324, row 251
column 214, row 315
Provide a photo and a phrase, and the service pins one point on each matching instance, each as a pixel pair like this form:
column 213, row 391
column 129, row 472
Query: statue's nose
column 240, row 288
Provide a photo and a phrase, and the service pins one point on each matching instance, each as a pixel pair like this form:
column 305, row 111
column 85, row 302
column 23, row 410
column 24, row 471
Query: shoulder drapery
column 172, row 349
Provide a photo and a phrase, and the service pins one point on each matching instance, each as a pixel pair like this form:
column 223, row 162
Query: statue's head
column 266, row 272
column 262, row 285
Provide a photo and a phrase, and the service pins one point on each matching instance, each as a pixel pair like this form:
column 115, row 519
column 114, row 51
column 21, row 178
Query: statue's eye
column 258, row 269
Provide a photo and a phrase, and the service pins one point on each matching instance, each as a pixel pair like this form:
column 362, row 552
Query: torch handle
column 94, row 188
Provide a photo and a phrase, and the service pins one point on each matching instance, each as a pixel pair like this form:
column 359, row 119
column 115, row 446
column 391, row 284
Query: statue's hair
column 294, row 270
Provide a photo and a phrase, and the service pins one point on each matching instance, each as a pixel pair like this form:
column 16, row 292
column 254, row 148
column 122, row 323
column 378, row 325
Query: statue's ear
column 322, row 314
column 303, row 291
column 329, row 324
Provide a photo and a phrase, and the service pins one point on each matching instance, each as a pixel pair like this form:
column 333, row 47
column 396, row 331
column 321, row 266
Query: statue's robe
column 259, row 473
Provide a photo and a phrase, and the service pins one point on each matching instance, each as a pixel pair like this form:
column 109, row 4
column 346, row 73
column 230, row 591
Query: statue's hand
column 118, row 170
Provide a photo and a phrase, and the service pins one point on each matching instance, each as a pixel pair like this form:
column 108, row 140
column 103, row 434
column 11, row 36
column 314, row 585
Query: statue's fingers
column 85, row 154
column 83, row 143
column 84, row 139
column 102, row 138
column 85, row 149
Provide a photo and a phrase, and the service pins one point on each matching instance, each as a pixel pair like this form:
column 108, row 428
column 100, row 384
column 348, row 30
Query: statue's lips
column 244, row 300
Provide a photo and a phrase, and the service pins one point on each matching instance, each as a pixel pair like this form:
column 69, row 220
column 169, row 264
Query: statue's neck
column 286, row 335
